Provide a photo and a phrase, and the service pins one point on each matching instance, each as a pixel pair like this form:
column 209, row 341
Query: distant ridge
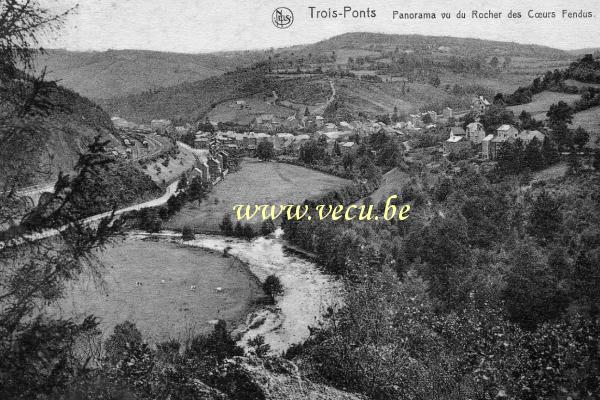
column 113, row 73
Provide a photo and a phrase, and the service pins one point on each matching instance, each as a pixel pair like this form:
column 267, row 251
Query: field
column 229, row 111
column 169, row 309
column 541, row 103
column 256, row 183
column 590, row 121
column 391, row 183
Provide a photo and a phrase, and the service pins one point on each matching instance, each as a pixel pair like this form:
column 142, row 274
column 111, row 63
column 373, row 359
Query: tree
column 545, row 219
column 238, row 230
column 532, row 292
column 226, row 225
column 267, row 227
column 248, row 232
column 435, row 81
column 265, row 151
column 494, row 62
column 198, row 189
column 214, row 348
column 124, row 336
column 306, row 112
column 187, row 233
column 37, row 355
column 580, row 137
column 560, row 113
column 347, row 161
column 272, row 287
column 495, row 116
column 311, row 152
column 395, row 116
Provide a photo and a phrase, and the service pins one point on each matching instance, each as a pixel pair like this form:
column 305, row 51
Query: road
column 35, row 191
column 321, row 109
column 171, row 190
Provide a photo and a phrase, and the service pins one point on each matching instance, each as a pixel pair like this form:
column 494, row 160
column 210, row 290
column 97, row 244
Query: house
column 479, row 104
column 348, row 147
column 224, row 160
column 214, row 168
column 507, row 132
column 345, row 126
column 262, row 137
column 201, row 143
column 448, row 113
column 416, row 120
column 291, row 122
column 475, row 132
column 249, row 140
column 455, row 144
column 527, row 136
column 432, row 115
column 495, row 145
column 320, row 121
column 201, row 169
column 485, row 147
column 329, row 127
column 457, row 131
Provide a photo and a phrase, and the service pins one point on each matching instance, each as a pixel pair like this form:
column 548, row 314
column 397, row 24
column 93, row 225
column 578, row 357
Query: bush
column 187, row 233
column 124, row 336
column 267, row 227
column 272, row 287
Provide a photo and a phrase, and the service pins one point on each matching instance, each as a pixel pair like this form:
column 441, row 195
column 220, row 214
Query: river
column 308, row 292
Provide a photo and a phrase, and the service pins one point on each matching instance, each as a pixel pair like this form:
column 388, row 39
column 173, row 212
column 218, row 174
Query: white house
column 475, row 132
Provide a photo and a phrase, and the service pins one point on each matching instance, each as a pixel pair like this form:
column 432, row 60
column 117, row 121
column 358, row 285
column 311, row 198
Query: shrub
column 272, row 287
column 187, row 233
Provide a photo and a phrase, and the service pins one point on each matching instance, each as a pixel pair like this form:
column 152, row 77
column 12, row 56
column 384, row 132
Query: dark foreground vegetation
column 488, row 290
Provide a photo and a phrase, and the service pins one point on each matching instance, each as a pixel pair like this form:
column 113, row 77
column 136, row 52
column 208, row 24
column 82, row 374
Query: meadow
column 590, row 121
column 541, row 103
column 164, row 305
column 256, row 183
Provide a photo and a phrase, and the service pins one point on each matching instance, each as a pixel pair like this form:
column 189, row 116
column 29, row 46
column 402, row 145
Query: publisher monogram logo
column 283, row 17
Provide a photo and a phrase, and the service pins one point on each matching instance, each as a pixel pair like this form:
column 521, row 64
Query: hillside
column 380, row 41
column 62, row 134
column 379, row 72
column 113, row 73
column 191, row 100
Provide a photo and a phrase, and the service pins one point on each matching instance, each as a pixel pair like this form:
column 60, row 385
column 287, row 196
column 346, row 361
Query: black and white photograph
column 295, row 200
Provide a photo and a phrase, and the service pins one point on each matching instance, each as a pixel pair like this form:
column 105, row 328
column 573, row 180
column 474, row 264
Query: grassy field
column 229, row 111
column 590, row 121
column 256, row 183
column 169, row 309
column 391, row 183
column 541, row 103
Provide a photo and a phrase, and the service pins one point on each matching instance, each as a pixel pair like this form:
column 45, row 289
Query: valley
column 491, row 145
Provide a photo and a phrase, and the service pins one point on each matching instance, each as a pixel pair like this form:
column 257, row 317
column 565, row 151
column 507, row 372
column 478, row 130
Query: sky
column 199, row 26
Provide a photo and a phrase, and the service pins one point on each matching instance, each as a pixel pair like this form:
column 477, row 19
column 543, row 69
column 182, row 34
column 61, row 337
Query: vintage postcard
column 285, row 199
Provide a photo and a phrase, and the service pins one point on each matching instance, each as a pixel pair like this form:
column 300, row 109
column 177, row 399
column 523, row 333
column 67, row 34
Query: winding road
column 171, row 190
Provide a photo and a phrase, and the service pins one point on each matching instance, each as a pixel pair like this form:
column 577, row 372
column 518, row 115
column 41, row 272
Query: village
column 214, row 144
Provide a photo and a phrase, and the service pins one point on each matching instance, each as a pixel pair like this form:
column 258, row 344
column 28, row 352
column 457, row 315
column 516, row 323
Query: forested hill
column 460, row 46
column 189, row 101
column 113, row 73
column 64, row 132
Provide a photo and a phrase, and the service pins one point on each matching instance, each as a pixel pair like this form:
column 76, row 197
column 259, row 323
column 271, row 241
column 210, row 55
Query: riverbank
column 308, row 292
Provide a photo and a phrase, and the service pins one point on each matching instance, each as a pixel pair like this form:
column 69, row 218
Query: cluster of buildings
column 488, row 143
column 213, row 168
